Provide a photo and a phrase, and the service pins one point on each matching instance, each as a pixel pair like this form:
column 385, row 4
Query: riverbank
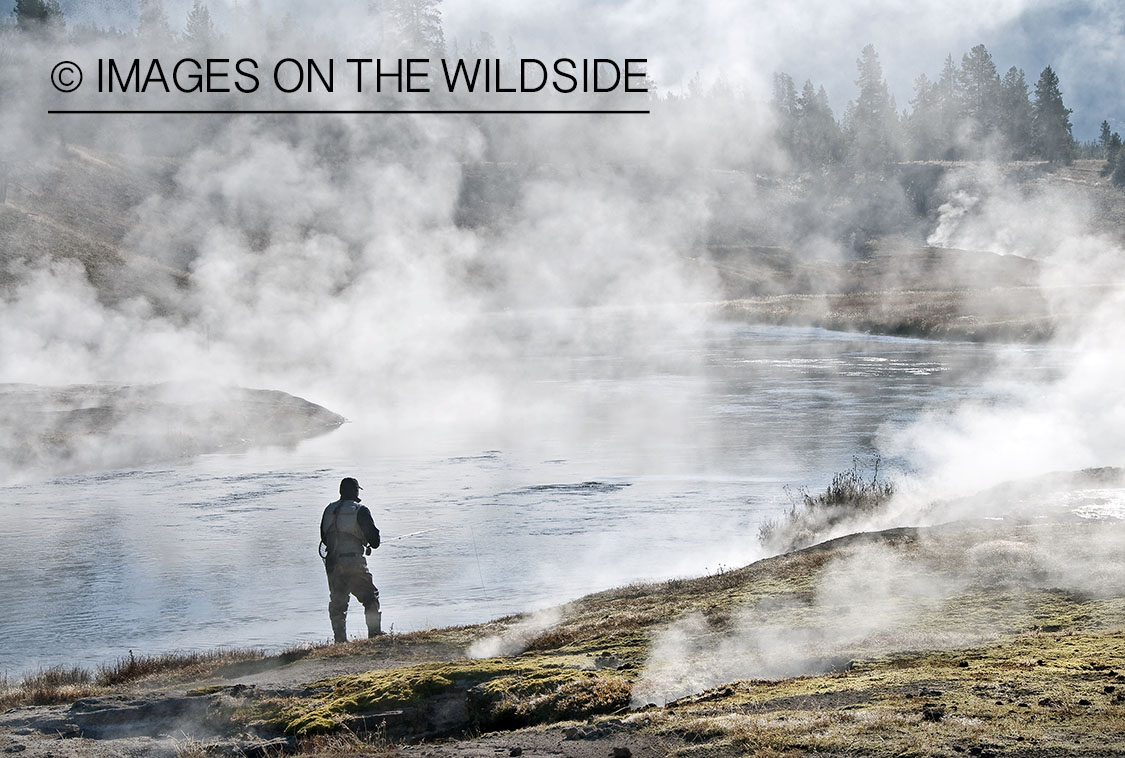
column 83, row 427
column 981, row 637
column 81, row 207
column 900, row 290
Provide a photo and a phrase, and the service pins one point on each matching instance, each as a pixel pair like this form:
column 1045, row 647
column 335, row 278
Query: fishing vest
column 340, row 527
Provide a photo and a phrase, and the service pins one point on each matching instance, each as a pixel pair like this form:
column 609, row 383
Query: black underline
column 351, row 112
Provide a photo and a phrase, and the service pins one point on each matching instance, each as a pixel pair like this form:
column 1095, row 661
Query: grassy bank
column 973, row 638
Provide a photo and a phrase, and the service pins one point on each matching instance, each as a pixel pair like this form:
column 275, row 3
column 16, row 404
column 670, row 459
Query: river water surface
column 222, row 550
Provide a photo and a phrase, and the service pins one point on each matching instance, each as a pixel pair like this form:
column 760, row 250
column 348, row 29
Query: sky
column 745, row 42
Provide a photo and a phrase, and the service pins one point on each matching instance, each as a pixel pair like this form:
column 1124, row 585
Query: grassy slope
column 1002, row 659
column 81, row 208
column 991, row 637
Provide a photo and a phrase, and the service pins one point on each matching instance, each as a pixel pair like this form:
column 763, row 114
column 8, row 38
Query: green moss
column 992, row 646
column 524, row 689
column 545, row 696
column 1041, row 693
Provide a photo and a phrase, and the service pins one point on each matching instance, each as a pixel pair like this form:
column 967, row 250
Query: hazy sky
column 1084, row 40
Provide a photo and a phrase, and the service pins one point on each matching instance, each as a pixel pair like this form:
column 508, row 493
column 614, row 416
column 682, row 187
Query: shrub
column 850, row 497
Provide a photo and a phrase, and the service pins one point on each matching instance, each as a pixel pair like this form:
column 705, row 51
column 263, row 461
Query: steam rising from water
column 873, row 599
column 343, row 259
column 1073, row 423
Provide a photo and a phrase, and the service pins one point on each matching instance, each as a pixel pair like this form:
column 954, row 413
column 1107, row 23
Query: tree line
column 968, row 112
column 407, row 24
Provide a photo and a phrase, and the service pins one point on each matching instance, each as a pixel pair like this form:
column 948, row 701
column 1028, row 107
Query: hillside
column 83, row 204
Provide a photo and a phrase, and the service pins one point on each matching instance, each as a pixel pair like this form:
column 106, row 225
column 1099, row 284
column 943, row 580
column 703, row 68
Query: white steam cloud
column 872, row 598
column 514, row 639
column 1063, row 424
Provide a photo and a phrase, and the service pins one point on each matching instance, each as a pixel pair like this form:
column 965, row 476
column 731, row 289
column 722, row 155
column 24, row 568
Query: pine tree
column 784, row 105
column 416, row 26
column 1051, row 120
column 38, row 16
column 873, row 120
column 950, row 109
column 199, row 29
column 1015, row 114
column 816, row 137
column 784, row 100
column 1104, row 136
column 153, row 24
column 1112, row 154
column 923, row 125
column 1118, row 176
column 980, row 91
column 485, row 47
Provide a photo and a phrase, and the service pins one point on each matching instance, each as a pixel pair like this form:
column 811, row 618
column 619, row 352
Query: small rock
column 963, row 664
column 570, row 733
column 1108, row 689
column 933, row 712
column 622, row 752
column 16, row 748
column 515, row 752
column 1084, row 701
column 69, row 730
column 606, row 661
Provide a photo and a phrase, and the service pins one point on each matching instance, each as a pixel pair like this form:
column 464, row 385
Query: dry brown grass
column 852, row 495
column 346, row 742
column 136, row 667
column 65, row 684
column 58, row 684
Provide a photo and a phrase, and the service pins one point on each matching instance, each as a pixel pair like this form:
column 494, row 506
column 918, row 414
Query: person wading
column 348, row 533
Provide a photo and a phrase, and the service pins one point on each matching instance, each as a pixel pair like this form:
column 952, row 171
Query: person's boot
column 340, row 630
column 374, row 622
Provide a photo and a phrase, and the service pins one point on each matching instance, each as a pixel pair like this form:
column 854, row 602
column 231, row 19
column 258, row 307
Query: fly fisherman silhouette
column 347, row 534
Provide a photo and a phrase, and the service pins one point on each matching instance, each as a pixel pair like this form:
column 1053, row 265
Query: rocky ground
column 993, row 636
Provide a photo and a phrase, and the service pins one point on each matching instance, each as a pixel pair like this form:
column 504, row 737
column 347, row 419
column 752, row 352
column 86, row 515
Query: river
column 222, row 550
